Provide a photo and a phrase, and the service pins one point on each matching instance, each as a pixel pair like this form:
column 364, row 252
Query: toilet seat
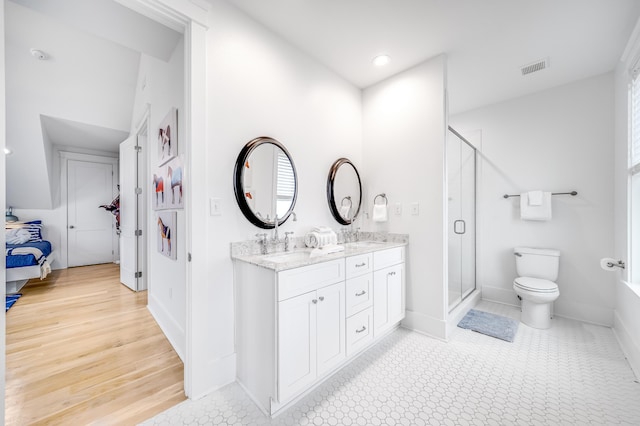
column 535, row 285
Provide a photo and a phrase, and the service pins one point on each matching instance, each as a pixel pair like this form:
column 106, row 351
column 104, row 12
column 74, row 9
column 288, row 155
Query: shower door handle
column 459, row 227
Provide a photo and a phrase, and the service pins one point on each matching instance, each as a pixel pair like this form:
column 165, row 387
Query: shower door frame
column 475, row 224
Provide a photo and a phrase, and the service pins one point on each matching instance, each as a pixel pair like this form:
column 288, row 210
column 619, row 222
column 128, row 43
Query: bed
column 28, row 259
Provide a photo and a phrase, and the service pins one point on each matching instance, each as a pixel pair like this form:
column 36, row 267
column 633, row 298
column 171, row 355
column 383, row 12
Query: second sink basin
column 295, row 256
column 364, row 244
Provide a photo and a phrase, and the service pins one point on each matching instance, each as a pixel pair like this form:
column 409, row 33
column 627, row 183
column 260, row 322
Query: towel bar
column 572, row 193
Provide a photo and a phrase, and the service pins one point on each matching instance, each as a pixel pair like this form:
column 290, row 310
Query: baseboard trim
column 500, row 295
column 171, row 329
column 426, row 325
column 221, row 372
column 629, row 347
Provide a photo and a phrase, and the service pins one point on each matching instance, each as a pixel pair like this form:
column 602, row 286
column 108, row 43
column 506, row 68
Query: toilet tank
column 537, row 263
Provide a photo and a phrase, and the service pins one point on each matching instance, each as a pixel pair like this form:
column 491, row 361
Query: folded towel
column 380, row 213
column 541, row 212
column 320, row 239
column 311, row 239
column 322, row 229
column 535, row 198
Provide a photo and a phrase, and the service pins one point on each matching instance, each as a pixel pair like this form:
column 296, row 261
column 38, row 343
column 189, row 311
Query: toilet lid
column 536, row 284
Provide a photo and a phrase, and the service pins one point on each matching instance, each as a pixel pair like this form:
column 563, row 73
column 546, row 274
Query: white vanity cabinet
column 310, row 338
column 290, row 329
column 388, row 289
column 296, row 326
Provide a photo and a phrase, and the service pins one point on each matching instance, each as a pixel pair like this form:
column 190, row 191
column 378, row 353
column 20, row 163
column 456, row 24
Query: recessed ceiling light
column 7, row 151
column 381, row 60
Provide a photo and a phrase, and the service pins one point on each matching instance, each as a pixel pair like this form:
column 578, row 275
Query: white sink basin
column 295, row 256
column 364, row 244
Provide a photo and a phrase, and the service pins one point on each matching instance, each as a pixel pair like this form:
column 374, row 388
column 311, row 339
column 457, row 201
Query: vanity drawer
column 359, row 293
column 359, row 265
column 359, row 331
column 384, row 258
column 294, row 282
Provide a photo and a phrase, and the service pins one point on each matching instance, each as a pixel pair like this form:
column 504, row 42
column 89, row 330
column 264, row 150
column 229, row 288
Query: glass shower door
column 461, row 181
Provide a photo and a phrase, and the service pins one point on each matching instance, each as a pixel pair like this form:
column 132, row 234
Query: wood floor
column 84, row 349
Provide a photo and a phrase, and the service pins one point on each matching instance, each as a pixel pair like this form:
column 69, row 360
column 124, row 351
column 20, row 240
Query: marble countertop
column 298, row 257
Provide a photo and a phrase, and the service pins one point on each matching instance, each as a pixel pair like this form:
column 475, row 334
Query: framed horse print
column 168, row 137
column 166, row 230
column 159, row 189
column 173, row 177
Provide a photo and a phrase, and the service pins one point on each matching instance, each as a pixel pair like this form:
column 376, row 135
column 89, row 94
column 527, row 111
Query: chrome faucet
column 262, row 240
column 287, row 240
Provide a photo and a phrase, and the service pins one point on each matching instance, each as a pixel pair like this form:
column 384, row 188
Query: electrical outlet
column 415, row 209
column 215, row 205
column 398, row 209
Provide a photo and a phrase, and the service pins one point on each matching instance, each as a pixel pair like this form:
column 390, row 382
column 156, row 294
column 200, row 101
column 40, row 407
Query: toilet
column 537, row 272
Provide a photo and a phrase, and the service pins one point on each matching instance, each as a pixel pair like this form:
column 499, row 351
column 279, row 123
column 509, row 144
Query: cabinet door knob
column 314, row 301
column 71, row 226
column 362, row 293
column 321, row 298
column 392, row 273
column 361, row 330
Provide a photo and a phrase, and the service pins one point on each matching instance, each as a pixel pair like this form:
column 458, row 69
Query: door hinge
column 189, row 257
column 138, row 232
column 138, row 191
column 138, row 274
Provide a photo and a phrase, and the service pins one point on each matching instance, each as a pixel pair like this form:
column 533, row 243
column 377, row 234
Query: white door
column 330, row 320
column 296, row 344
column 129, row 199
column 90, row 228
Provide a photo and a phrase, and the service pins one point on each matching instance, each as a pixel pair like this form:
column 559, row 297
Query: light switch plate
column 415, row 209
column 215, row 205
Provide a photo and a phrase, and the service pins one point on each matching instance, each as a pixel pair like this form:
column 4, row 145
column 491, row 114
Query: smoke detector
column 39, row 54
column 535, row 66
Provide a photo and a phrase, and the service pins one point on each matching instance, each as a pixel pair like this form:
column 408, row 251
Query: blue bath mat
column 490, row 324
column 11, row 299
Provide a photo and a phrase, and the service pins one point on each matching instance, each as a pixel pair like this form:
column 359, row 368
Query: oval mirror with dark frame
column 265, row 182
column 344, row 191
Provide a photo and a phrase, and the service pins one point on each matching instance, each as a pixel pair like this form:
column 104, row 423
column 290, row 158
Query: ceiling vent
column 536, row 66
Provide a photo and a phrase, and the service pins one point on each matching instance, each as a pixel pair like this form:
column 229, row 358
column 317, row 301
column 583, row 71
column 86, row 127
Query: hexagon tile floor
column 571, row 374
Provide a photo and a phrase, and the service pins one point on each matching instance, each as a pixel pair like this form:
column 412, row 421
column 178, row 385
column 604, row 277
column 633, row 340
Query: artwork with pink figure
column 157, row 194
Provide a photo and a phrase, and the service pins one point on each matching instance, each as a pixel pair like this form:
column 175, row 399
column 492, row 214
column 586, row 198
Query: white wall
column 557, row 140
column 404, row 134
column 627, row 303
column 259, row 85
column 166, row 278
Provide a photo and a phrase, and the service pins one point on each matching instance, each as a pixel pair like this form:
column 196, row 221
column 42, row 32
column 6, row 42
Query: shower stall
column 461, row 222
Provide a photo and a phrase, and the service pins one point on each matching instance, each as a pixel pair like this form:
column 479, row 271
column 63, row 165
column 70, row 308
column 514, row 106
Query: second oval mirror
column 344, row 191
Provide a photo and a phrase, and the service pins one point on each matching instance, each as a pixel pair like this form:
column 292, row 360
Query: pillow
column 17, row 236
column 34, row 227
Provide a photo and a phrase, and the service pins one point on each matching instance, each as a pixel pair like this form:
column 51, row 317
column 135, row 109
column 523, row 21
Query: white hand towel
column 380, row 213
column 344, row 212
column 535, row 198
column 541, row 212
column 322, row 229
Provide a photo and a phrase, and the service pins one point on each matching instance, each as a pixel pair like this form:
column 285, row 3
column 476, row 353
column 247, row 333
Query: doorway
column 88, row 182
